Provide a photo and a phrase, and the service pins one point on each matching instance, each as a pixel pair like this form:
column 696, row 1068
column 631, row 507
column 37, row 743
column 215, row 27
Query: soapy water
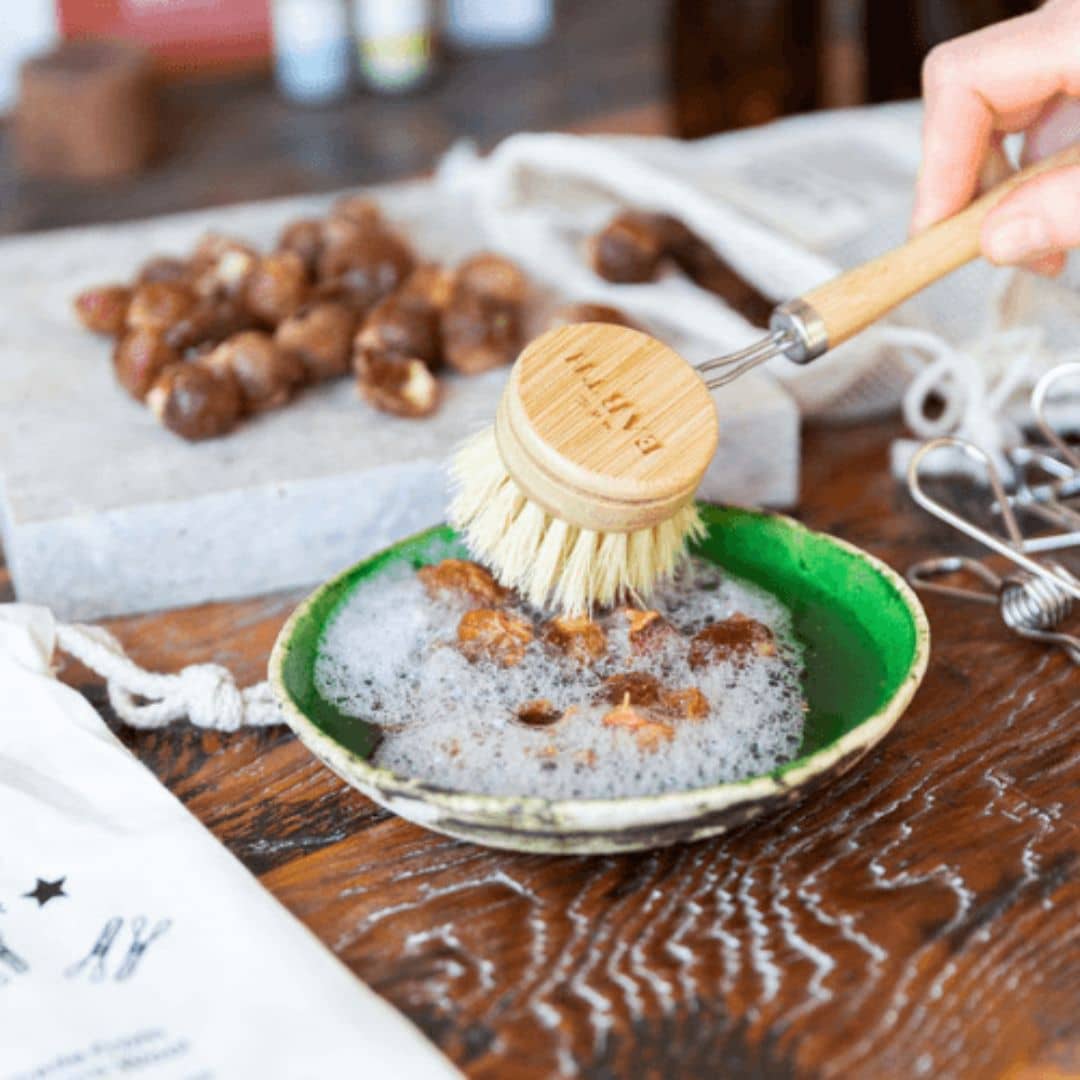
column 389, row 657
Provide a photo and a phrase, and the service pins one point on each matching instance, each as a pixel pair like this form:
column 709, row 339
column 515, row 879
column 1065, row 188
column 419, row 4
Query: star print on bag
column 45, row 891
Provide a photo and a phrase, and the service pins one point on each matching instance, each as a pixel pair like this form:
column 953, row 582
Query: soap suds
column 389, row 657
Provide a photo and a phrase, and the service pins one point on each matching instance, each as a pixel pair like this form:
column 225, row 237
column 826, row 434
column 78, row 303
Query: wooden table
column 919, row 918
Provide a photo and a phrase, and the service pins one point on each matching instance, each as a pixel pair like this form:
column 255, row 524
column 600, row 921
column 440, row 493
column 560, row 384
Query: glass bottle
column 311, row 50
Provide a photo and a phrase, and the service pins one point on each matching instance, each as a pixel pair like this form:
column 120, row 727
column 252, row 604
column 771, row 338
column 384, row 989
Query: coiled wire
column 1036, row 600
column 1033, row 603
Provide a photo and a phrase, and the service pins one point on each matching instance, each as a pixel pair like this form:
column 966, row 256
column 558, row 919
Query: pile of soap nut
column 228, row 332
column 495, row 628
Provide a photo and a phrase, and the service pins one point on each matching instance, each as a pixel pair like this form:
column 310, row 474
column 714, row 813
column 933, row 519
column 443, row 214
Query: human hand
column 1019, row 75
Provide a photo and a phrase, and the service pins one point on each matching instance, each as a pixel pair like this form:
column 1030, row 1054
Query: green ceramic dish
column 866, row 640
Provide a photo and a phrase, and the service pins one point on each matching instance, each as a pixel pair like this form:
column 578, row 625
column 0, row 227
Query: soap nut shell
column 494, row 636
column 195, row 402
column 104, row 309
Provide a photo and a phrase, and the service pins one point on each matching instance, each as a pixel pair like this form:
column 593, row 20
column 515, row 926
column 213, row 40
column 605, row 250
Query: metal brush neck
column 803, row 328
column 795, row 331
column 728, row 368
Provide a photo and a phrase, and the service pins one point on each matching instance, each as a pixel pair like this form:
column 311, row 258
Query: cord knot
column 210, row 697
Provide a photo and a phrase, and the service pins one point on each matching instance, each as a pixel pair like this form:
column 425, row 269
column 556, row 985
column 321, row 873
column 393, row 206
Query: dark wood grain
column 920, row 917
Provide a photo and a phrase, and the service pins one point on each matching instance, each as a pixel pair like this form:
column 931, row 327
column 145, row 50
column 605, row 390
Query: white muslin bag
column 789, row 205
column 131, row 942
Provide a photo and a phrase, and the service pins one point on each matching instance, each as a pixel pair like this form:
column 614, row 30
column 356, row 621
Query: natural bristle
column 549, row 561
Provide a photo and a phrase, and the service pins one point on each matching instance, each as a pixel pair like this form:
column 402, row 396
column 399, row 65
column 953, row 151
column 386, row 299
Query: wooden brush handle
column 851, row 302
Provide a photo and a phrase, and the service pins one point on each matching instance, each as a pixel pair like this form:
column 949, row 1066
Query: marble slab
column 102, row 512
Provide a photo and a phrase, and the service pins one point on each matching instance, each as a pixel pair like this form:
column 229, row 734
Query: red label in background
column 184, row 35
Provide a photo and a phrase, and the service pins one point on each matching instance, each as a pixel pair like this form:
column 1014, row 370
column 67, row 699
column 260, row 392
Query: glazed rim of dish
column 422, row 801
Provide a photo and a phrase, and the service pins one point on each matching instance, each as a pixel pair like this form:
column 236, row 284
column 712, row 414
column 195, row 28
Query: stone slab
column 104, row 513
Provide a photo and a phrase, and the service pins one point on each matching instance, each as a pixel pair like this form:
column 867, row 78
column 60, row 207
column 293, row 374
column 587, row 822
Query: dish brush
column 582, row 493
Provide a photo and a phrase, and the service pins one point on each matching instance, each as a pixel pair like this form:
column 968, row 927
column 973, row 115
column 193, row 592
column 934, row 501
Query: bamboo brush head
column 583, row 490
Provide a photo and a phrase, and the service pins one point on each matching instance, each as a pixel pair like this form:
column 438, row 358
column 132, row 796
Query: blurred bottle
column 311, row 50
column 484, row 24
column 394, row 43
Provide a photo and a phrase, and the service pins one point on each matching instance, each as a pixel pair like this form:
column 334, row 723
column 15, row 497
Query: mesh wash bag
column 788, row 204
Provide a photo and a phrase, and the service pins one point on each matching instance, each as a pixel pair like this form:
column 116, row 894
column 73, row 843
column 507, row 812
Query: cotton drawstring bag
column 131, row 942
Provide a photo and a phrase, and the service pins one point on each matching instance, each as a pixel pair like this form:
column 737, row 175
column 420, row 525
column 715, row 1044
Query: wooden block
column 86, row 110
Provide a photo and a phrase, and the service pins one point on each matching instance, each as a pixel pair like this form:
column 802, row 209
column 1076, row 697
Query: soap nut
column 649, row 733
column 362, row 266
column 736, row 638
column 688, row 704
column 139, row 358
column 494, row 636
column 211, row 320
column 165, row 268
column 399, row 327
column 629, row 249
column 358, row 209
column 460, row 582
column 635, row 687
column 401, row 387
column 222, row 265
column 538, row 713
column 158, row 305
column 493, row 277
column 276, row 287
column 303, row 237
column 648, row 632
column 266, row 375
column 104, row 309
column 578, row 638
column 320, row 336
column 195, row 402
column 480, row 333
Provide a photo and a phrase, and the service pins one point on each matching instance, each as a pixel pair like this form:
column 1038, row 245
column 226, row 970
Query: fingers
column 950, row 166
column 1057, row 126
column 997, row 167
column 1037, row 220
column 997, row 79
column 1048, row 265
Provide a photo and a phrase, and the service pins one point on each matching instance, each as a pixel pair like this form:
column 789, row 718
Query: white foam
column 388, row 657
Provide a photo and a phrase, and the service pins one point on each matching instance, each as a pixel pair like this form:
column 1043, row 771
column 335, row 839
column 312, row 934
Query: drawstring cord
column 206, row 694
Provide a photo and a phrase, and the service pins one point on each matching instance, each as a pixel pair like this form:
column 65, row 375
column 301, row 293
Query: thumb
column 1038, row 219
